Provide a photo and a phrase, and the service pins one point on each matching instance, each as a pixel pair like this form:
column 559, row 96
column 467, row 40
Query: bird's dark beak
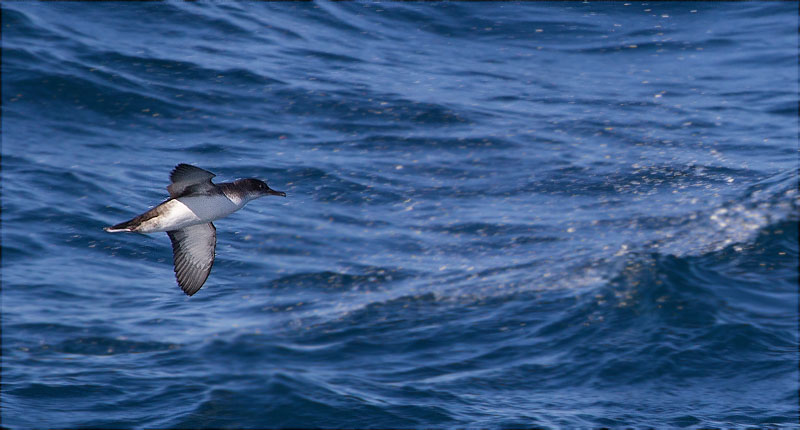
column 272, row 192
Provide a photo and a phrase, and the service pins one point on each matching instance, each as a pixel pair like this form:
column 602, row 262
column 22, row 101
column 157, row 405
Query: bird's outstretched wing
column 193, row 255
column 185, row 177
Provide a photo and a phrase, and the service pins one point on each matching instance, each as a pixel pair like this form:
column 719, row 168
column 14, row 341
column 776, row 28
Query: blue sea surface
column 499, row 214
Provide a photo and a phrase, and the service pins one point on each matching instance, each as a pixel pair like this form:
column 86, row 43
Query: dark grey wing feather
column 184, row 176
column 193, row 255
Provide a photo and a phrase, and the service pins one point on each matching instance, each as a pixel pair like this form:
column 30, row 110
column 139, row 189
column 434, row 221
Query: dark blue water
column 498, row 214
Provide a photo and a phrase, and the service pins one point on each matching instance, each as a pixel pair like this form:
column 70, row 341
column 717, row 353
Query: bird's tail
column 135, row 223
column 123, row 226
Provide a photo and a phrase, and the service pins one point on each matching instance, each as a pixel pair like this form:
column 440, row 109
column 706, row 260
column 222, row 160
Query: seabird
column 194, row 202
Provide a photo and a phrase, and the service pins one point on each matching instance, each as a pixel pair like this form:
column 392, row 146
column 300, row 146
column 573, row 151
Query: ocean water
column 498, row 214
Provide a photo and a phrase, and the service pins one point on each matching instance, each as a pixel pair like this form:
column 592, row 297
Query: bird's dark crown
column 257, row 187
column 252, row 185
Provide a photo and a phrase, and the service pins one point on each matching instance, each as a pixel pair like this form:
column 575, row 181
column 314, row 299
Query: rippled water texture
column 498, row 214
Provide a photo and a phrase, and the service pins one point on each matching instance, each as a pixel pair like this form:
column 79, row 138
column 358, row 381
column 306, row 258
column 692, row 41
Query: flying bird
column 194, row 202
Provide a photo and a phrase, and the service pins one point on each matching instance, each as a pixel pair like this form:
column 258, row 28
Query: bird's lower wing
column 193, row 254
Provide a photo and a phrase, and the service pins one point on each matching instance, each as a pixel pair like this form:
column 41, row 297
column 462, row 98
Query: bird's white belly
column 207, row 209
column 185, row 211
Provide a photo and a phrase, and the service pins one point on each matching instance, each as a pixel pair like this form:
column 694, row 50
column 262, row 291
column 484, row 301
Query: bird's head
column 256, row 188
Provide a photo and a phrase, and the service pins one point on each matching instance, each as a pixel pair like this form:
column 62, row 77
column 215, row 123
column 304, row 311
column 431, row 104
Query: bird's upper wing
column 193, row 255
column 185, row 177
